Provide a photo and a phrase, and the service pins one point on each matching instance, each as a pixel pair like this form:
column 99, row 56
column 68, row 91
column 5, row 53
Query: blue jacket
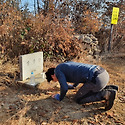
column 74, row 73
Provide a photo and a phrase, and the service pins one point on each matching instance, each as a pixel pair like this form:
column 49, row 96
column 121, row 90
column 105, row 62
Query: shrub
column 52, row 35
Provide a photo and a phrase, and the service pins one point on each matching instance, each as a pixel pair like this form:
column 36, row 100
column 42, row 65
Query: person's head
column 50, row 75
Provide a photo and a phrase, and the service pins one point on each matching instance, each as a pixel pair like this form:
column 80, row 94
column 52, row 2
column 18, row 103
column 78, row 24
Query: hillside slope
column 24, row 106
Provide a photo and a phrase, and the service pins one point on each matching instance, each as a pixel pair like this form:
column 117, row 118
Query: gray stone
column 89, row 43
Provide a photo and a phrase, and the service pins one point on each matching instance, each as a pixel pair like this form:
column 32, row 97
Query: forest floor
column 35, row 106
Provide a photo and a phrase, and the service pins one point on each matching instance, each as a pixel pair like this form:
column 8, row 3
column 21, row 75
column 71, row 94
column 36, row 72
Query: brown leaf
column 42, row 114
column 65, row 117
column 96, row 118
column 116, row 121
column 110, row 114
column 23, row 43
column 75, row 120
column 92, row 122
column 48, row 93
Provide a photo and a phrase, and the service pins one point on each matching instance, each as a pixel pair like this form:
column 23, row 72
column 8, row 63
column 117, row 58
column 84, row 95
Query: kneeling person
column 95, row 80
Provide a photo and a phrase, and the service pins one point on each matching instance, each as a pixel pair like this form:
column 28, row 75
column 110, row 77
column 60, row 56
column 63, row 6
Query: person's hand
column 56, row 96
column 70, row 86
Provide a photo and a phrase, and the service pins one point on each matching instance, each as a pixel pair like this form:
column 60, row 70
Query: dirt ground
column 34, row 106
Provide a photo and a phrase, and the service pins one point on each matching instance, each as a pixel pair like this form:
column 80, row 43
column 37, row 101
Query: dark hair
column 49, row 73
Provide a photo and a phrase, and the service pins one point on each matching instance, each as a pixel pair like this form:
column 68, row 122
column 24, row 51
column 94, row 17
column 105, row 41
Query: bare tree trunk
column 38, row 7
column 46, row 6
column 35, row 7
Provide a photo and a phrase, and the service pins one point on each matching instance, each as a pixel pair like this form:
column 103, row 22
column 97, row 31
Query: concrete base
column 39, row 78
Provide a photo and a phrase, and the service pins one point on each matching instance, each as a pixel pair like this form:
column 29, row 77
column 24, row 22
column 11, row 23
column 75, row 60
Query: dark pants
column 93, row 91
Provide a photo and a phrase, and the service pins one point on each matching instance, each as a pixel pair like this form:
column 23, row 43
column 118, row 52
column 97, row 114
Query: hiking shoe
column 112, row 87
column 110, row 100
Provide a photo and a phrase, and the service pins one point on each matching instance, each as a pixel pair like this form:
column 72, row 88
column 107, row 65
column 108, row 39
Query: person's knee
column 78, row 101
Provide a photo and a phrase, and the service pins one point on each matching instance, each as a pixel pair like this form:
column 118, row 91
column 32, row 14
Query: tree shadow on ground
column 10, row 104
column 50, row 110
column 45, row 109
